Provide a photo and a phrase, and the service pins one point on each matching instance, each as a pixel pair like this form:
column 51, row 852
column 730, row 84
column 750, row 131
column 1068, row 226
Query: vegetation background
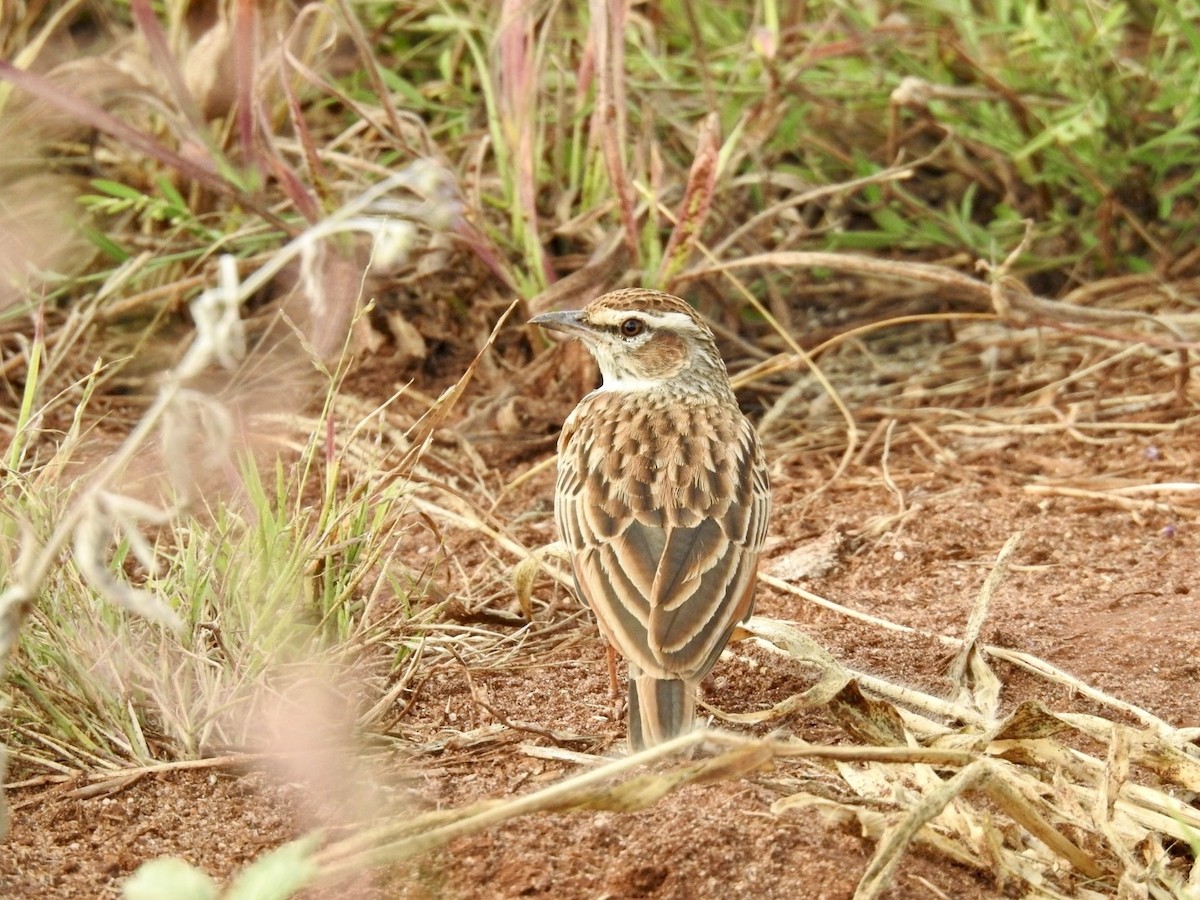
column 266, row 393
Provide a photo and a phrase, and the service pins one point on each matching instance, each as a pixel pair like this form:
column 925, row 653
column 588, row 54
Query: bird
column 662, row 498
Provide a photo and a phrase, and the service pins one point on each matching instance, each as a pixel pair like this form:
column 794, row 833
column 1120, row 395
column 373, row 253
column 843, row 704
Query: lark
column 662, row 499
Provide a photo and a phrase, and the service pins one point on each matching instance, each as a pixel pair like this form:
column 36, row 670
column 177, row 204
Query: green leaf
column 403, row 87
column 116, row 189
column 108, row 247
column 890, row 221
column 278, row 874
column 174, row 198
column 169, row 876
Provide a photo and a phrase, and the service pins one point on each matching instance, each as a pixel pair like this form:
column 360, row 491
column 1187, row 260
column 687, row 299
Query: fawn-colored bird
column 662, row 499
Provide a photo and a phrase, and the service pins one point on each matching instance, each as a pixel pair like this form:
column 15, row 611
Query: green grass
column 1078, row 116
column 281, row 577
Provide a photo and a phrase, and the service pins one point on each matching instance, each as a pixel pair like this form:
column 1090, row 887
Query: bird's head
column 644, row 340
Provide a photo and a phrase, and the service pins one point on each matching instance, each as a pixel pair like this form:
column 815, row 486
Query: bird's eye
column 632, row 327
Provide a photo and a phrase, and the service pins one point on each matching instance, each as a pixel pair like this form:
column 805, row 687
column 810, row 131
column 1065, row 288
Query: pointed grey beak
column 567, row 320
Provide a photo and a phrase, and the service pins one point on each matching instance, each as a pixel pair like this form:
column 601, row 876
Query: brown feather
column 663, row 499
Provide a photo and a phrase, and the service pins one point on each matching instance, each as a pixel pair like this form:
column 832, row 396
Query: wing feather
column 665, row 540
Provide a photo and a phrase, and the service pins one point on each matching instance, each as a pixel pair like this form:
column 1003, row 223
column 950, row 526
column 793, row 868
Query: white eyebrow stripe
column 676, row 320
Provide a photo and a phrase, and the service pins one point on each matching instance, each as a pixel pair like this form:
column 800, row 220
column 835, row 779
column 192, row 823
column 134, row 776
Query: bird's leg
column 613, row 688
column 615, row 696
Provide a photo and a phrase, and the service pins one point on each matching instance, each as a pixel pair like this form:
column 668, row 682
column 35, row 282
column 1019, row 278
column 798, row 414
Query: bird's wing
column 668, row 579
column 706, row 575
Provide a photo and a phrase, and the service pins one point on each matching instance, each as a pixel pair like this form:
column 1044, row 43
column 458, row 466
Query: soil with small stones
column 1105, row 590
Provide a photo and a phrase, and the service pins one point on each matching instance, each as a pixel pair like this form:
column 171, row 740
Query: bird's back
column 663, row 501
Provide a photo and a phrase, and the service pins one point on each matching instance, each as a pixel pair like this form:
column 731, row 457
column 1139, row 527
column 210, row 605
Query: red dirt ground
column 1097, row 587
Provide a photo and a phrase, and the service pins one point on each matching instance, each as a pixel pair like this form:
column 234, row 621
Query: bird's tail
column 659, row 709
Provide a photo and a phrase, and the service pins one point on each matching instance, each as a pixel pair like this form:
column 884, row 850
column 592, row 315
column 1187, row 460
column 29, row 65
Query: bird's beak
column 567, row 320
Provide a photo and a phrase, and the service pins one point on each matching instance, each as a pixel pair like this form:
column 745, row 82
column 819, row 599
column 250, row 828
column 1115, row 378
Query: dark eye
column 632, row 327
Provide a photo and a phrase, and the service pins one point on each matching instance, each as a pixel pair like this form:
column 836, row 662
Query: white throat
column 627, row 385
